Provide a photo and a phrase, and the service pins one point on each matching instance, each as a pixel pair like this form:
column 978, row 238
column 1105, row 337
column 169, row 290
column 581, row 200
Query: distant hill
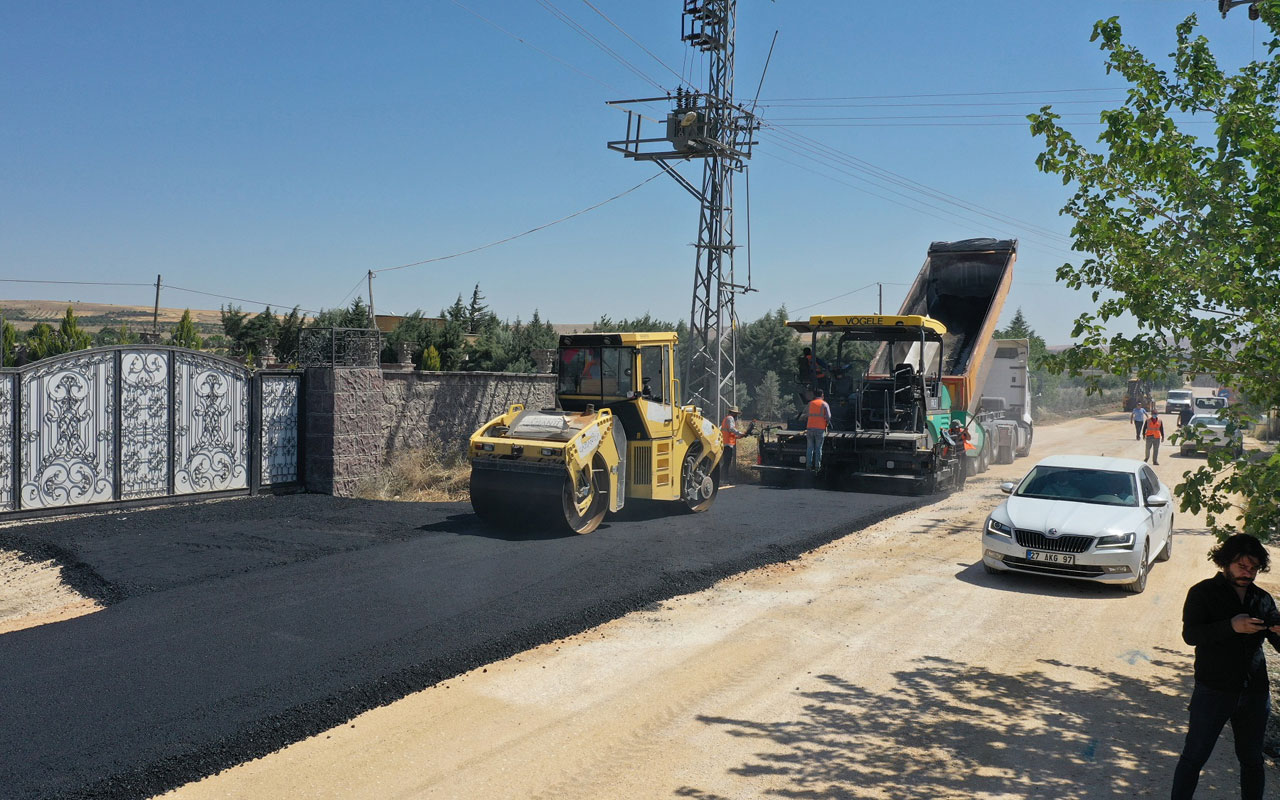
column 93, row 317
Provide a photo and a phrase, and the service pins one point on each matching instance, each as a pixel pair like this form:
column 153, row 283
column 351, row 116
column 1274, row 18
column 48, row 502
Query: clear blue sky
column 276, row 151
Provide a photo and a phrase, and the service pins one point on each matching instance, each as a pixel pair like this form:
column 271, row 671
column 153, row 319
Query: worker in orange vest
column 1155, row 435
column 729, row 432
column 815, row 429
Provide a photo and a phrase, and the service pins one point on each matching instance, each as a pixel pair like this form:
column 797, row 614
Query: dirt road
column 884, row 665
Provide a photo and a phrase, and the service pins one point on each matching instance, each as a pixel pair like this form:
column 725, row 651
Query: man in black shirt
column 1226, row 618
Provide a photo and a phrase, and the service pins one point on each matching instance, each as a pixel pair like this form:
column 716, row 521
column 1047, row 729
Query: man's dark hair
column 817, row 393
column 807, row 352
column 1241, row 544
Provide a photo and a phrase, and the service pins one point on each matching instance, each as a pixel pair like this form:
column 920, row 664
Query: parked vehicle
column 1208, row 405
column 1177, row 399
column 1137, row 391
column 1209, row 430
column 1004, row 408
column 1084, row 517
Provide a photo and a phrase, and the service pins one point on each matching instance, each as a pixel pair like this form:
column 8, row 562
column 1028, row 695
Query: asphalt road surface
column 235, row 628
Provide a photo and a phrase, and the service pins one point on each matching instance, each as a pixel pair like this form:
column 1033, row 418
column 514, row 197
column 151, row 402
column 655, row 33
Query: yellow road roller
column 618, row 432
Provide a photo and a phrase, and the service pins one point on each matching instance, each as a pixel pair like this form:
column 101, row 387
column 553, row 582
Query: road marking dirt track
column 886, row 664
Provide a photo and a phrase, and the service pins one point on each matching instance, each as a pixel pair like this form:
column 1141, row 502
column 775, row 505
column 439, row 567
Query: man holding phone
column 1226, row 618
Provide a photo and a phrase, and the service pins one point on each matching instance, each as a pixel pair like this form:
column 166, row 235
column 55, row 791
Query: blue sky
column 275, row 152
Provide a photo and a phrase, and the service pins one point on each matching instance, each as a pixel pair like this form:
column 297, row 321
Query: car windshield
column 1179, row 395
column 1207, row 420
column 1080, row 485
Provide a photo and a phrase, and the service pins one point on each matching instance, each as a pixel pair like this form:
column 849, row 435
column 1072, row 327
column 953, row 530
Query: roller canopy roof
column 881, row 327
column 616, row 339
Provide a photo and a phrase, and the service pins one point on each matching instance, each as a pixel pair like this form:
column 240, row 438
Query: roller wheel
column 698, row 484
column 486, row 502
column 572, row 499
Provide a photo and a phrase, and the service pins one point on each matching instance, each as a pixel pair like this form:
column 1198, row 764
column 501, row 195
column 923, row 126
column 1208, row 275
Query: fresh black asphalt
column 235, row 628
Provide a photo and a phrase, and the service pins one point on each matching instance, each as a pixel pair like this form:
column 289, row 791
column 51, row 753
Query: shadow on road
column 1042, row 585
column 956, row 730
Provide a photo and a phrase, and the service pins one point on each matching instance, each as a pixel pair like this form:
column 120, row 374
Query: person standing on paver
column 1139, row 417
column 815, row 429
column 1226, row 618
column 1155, row 435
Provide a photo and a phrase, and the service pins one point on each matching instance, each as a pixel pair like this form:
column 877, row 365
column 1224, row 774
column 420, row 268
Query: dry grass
column 428, row 474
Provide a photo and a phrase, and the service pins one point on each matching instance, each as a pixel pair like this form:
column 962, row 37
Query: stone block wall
column 344, row 441
column 357, row 417
column 447, row 407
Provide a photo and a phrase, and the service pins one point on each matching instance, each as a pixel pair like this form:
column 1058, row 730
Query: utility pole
column 707, row 125
column 155, row 311
column 373, row 321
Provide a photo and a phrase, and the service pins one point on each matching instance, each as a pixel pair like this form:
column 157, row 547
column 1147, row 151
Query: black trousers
column 1211, row 709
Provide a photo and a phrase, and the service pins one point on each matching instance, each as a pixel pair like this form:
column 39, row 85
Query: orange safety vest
column 1155, row 428
column 730, row 438
column 814, row 368
column 817, row 419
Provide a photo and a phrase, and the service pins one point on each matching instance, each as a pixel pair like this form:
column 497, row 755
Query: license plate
column 1050, row 558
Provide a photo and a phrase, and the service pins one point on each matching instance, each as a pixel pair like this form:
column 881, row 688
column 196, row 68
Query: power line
column 518, row 235
column 74, row 283
column 237, row 299
column 939, row 105
column 533, row 47
column 944, row 94
column 636, row 43
column 595, row 40
column 846, row 294
column 878, row 177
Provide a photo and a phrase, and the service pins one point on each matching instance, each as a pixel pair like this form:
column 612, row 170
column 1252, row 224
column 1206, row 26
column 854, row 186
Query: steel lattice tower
column 707, row 125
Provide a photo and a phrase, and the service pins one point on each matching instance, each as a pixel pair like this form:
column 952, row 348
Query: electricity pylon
column 706, row 125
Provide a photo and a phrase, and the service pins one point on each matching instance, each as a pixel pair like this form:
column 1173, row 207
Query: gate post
column 345, row 435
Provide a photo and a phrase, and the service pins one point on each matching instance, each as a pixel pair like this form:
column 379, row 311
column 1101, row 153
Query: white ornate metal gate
column 130, row 423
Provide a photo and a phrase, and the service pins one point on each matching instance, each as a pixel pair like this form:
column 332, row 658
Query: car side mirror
column 1008, row 486
column 1155, row 501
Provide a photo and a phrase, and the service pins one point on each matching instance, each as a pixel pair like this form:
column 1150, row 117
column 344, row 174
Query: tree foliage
column 184, row 334
column 1180, row 233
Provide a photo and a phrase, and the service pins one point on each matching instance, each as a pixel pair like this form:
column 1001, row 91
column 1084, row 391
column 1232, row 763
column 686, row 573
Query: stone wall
column 358, row 417
column 447, row 407
column 344, row 433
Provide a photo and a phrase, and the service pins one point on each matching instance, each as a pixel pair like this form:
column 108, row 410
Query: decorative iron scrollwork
column 67, row 409
column 211, row 425
column 280, row 429
column 144, row 424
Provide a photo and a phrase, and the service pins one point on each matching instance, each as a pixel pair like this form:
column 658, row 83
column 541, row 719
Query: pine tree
column 185, row 335
column 8, row 344
column 430, row 359
column 476, row 310
column 769, row 403
column 71, row 336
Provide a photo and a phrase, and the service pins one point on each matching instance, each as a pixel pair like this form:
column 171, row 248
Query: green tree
column 8, row 344
column 355, row 316
column 1179, row 231
column 768, row 345
column 232, row 320
column 770, row 404
column 42, row 341
column 255, row 332
column 476, row 311
column 430, row 359
column 184, row 335
column 114, row 336
column 289, row 334
column 70, row 334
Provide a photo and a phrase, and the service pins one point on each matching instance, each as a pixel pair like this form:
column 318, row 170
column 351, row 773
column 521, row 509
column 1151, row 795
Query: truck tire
column 1005, row 454
column 1031, row 433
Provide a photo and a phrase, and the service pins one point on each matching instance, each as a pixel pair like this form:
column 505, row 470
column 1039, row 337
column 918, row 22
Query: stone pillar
column 345, row 430
column 545, row 359
column 268, row 355
column 404, row 353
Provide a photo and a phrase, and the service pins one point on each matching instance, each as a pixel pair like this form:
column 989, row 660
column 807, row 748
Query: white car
column 1214, row 434
column 1086, row 517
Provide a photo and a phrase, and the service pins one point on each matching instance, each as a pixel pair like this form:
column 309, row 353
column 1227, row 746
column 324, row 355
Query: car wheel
column 1184, row 451
column 991, row 570
column 1166, row 552
column 1139, row 584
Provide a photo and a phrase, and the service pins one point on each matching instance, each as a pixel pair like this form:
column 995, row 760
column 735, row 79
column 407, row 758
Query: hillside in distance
column 93, row 317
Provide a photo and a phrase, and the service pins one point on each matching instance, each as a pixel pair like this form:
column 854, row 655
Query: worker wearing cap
column 729, row 432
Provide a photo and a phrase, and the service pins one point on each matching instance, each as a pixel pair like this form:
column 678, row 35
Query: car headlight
column 1117, row 541
column 997, row 528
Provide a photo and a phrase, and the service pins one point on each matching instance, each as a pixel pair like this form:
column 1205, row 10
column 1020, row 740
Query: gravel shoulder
column 885, row 664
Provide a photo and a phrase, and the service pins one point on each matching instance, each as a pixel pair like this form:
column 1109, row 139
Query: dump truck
column 892, row 412
column 618, row 431
column 1004, row 407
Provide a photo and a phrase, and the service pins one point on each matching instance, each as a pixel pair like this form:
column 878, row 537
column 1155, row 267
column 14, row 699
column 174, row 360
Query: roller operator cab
column 891, row 416
column 618, row 432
